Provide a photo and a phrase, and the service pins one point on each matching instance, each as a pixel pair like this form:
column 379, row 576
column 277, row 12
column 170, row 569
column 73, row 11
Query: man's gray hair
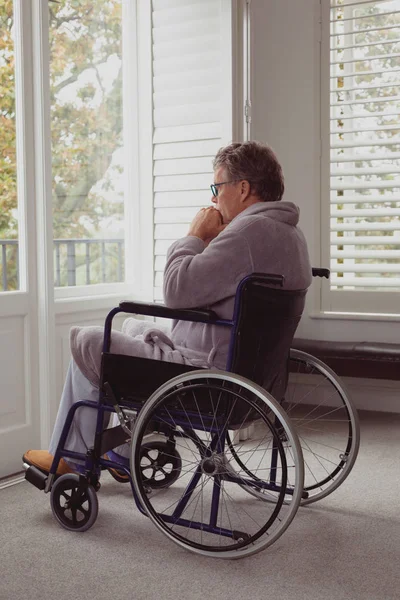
column 257, row 164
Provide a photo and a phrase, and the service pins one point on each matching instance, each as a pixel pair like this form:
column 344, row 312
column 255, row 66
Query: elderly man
column 248, row 230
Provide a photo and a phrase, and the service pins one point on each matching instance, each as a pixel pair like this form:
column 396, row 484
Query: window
column 364, row 155
column 9, row 278
column 142, row 95
column 87, row 141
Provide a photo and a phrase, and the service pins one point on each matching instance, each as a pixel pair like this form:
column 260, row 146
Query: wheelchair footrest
column 36, row 477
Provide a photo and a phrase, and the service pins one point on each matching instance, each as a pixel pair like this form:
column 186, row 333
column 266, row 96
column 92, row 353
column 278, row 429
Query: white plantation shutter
column 364, row 165
column 192, row 112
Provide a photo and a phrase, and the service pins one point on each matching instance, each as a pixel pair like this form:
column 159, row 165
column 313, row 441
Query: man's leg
column 83, row 427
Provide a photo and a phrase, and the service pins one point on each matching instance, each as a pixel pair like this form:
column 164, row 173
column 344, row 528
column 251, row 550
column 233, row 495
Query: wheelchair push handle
column 317, row 272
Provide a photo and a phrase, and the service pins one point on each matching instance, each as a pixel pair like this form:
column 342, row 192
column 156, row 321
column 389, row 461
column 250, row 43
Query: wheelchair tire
column 208, row 509
column 74, row 502
column 326, row 422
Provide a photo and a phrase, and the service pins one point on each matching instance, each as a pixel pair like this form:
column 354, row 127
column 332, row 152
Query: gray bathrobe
column 263, row 238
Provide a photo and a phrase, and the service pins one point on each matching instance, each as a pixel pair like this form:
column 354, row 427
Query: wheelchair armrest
column 159, row 310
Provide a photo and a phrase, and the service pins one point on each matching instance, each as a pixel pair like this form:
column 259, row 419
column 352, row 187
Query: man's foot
column 42, row 459
column 118, row 475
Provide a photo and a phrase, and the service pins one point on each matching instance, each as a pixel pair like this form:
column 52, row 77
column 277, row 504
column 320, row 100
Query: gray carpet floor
column 346, row 547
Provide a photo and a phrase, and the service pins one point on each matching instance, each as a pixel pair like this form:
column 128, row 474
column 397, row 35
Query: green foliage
column 85, row 37
column 8, row 183
column 86, row 116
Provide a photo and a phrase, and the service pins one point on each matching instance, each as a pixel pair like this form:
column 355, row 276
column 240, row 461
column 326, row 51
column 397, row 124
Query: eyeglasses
column 214, row 186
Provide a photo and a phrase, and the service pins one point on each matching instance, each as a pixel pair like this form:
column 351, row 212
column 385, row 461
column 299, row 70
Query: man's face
column 228, row 201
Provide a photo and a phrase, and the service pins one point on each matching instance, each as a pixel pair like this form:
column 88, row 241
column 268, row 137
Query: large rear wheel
column 209, row 509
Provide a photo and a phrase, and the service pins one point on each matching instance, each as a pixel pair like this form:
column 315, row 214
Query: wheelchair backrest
column 266, row 319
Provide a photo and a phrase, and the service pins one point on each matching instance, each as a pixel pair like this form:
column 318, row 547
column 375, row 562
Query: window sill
column 354, row 316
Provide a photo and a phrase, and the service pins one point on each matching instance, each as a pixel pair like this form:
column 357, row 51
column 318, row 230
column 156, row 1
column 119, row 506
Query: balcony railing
column 76, row 262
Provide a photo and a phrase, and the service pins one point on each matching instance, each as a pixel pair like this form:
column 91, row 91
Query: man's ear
column 245, row 190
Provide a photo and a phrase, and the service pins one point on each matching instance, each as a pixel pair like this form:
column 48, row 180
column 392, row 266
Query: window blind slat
column 187, row 133
column 182, row 182
column 182, row 198
column 185, row 96
column 175, row 81
column 357, row 3
column 365, row 115
column 365, row 185
column 364, row 240
column 360, row 268
column 366, row 213
column 193, row 62
column 191, row 114
column 371, row 86
column 185, row 31
column 175, row 214
column 357, row 18
column 364, row 199
column 357, row 171
column 176, row 48
column 196, row 148
column 365, row 254
column 364, row 45
column 160, row 263
column 161, row 247
column 363, row 60
column 344, row 131
column 378, row 100
column 343, row 158
column 394, row 141
column 188, row 11
column 365, row 282
column 364, row 73
column 183, row 166
column 159, row 5
column 365, row 226
column 170, row 232
column 369, row 30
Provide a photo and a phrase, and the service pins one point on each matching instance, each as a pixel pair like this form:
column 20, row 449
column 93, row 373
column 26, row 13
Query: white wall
column 285, row 114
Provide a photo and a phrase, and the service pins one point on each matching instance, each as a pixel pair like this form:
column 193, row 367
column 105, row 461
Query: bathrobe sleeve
column 199, row 276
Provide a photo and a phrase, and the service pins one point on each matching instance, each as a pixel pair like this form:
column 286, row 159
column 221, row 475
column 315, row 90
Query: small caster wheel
column 160, row 464
column 74, row 502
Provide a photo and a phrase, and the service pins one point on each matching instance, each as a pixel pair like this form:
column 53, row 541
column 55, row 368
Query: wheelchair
column 205, row 485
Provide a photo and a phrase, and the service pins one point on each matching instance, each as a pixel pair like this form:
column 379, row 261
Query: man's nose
column 214, row 199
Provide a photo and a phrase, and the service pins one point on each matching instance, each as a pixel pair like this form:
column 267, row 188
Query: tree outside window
column 86, row 141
